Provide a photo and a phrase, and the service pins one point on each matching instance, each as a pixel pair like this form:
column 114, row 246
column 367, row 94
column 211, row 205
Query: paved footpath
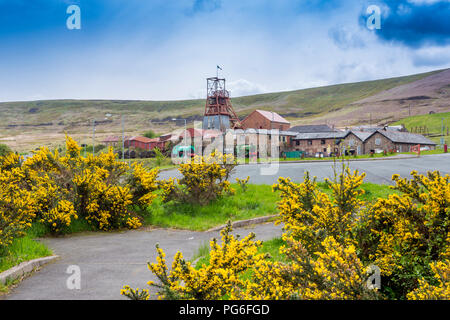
column 108, row 261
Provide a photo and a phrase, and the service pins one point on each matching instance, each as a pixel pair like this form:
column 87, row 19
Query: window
column 351, row 142
column 378, row 142
column 309, row 142
column 297, row 142
column 322, row 141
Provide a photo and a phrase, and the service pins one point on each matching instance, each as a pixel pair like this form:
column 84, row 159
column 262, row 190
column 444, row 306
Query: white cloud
column 432, row 56
column 256, row 57
column 244, row 87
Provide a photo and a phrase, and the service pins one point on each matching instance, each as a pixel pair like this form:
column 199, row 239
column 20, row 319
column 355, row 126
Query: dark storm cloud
column 414, row 23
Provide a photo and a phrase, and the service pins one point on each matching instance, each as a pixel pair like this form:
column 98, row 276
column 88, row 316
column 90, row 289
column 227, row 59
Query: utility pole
column 93, row 138
column 123, row 139
column 271, row 135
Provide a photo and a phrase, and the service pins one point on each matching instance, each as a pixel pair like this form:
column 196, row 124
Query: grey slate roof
column 405, row 137
column 312, row 128
column 369, row 128
column 362, row 135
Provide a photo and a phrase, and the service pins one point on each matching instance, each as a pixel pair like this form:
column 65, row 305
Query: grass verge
column 257, row 201
column 21, row 250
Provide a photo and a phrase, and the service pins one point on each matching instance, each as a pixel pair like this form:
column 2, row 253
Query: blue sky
column 164, row 49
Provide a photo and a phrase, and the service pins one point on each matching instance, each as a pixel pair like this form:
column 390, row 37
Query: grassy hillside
column 293, row 104
column 316, row 101
column 26, row 125
column 431, row 122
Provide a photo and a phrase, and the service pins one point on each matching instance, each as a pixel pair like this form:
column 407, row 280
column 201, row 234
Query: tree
column 151, row 134
column 4, row 150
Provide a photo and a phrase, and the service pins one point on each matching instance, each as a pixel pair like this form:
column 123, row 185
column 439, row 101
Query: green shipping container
column 294, row 154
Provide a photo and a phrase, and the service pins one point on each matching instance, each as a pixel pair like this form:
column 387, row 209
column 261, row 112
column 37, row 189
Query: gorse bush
column 213, row 281
column 331, row 244
column 438, row 291
column 17, row 206
column 404, row 234
column 243, row 183
column 204, row 180
column 55, row 189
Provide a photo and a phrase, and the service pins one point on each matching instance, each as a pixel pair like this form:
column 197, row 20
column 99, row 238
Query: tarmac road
column 377, row 171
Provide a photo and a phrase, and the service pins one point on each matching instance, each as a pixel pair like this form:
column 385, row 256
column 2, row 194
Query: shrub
column 143, row 183
column 69, row 186
column 160, row 158
column 310, row 215
column 438, row 291
column 333, row 273
column 9, row 161
column 17, row 207
column 59, row 218
column 243, row 183
column 330, row 242
column 204, row 179
column 183, row 281
column 150, row 134
column 405, row 233
column 4, row 150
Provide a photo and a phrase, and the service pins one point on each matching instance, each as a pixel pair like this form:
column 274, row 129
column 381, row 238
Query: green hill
column 29, row 124
column 429, row 124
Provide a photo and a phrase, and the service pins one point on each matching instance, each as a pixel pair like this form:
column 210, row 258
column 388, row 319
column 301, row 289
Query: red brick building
column 144, row 143
column 261, row 119
column 111, row 141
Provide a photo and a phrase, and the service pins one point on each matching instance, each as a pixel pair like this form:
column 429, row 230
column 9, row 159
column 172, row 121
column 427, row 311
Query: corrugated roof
column 262, row 131
column 141, row 139
column 405, row 137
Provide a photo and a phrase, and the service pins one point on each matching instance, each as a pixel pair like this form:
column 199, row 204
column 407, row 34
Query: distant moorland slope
column 26, row 125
